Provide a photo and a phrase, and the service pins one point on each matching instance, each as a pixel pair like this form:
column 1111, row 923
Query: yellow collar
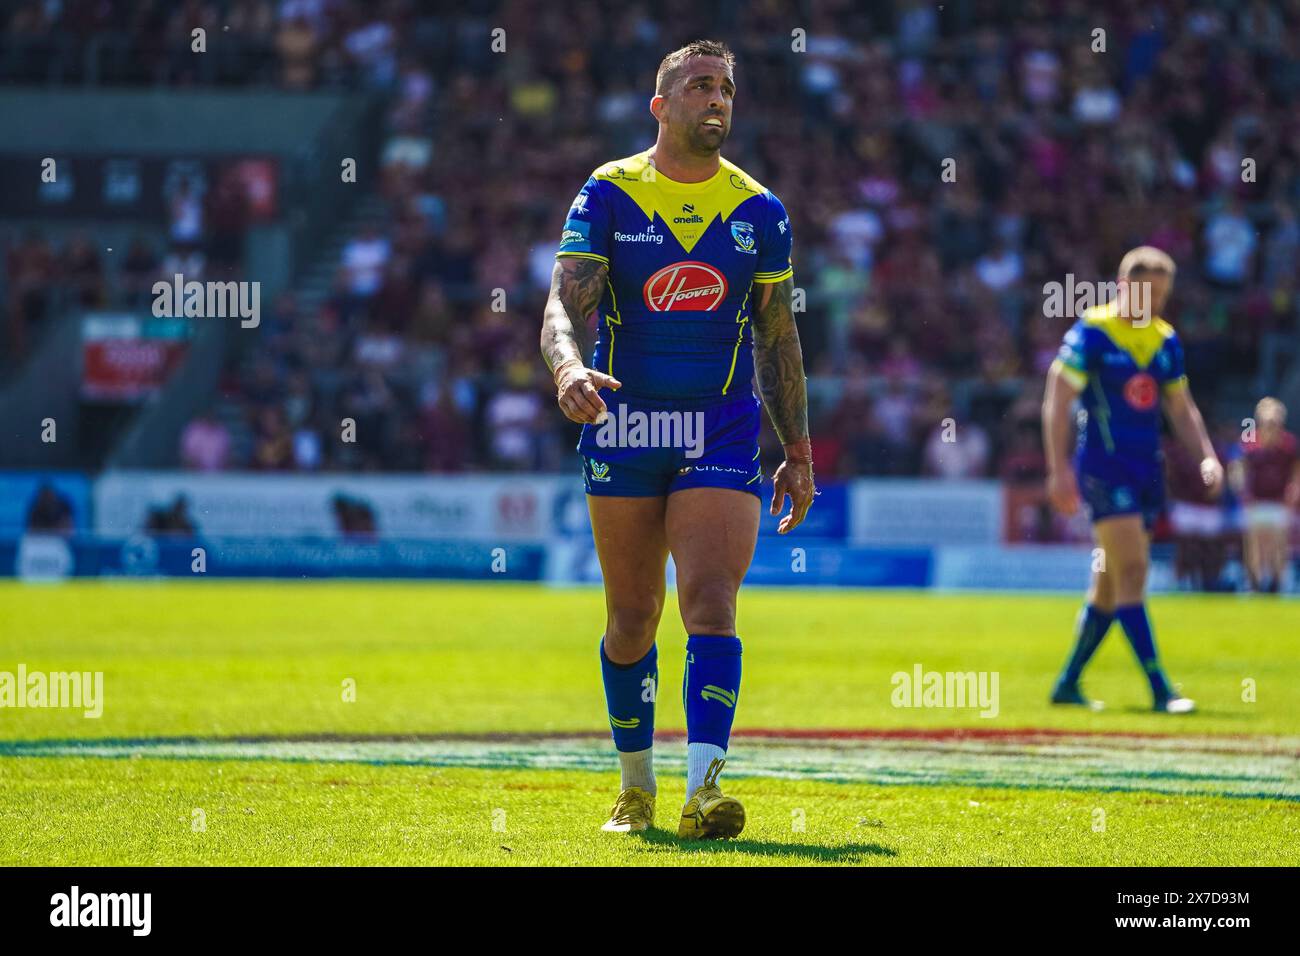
column 687, row 209
column 1141, row 342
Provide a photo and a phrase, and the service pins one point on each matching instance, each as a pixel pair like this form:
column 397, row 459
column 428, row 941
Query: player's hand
column 576, row 392
column 1212, row 475
column 794, row 478
column 1063, row 491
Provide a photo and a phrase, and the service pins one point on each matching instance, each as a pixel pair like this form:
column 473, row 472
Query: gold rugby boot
column 710, row 815
column 634, row 812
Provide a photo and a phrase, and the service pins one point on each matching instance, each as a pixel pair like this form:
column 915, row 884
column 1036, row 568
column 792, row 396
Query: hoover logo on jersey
column 685, row 286
column 1140, row 391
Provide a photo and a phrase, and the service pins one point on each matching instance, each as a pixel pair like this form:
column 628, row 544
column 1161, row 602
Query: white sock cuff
column 637, row 769
column 698, row 758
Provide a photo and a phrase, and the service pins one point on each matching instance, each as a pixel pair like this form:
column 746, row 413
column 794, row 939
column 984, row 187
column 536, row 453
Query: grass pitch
column 476, row 731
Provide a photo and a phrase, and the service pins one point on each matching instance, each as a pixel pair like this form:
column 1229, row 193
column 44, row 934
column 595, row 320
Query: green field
column 477, row 734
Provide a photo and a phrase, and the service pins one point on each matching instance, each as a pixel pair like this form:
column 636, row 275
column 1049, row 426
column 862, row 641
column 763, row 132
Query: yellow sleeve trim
column 1072, row 375
column 766, row 278
column 581, row 255
column 1176, row 385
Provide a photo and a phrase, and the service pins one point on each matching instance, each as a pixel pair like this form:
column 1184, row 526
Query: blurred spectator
column 355, row 518
column 205, row 444
column 140, row 270
column 894, row 411
column 446, row 436
column 296, row 43
column 372, row 47
column 1197, row 521
column 307, row 452
column 83, row 271
column 364, row 259
column 511, row 418
column 1000, row 268
column 957, row 452
column 30, row 274
column 1230, row 243
column 185, row 209
column 273, row 450
column 228, row 218
column 173, row 519
column 50, row 512
column 186, row 261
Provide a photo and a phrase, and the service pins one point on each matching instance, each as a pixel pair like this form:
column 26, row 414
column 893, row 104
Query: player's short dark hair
column 673, row 62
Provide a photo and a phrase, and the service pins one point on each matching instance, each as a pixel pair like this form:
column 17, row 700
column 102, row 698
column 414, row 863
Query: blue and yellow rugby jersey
column 674, row 320
column 1122, row 371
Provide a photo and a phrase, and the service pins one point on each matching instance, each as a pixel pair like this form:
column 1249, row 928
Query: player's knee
column 709, row 606
column 631, row 629
column 1130, row 578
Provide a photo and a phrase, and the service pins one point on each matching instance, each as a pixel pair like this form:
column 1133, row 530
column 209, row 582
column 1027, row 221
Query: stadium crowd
column 924, row 297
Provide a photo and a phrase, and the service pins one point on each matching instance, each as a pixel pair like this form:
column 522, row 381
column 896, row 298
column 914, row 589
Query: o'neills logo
column 685, row 286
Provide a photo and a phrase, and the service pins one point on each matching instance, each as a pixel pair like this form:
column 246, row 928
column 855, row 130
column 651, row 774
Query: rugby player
column 685, row 259
column 1268, row 476
column 1125, row 365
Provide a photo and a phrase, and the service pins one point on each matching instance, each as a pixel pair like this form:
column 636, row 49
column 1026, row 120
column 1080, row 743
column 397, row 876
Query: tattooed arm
column 778, row 367
column 576, row 287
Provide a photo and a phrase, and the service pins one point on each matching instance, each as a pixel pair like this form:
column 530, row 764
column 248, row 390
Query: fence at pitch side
column 865, row 533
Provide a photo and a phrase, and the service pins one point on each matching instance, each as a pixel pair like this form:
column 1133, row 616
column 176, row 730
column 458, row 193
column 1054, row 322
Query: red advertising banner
column 127, row 358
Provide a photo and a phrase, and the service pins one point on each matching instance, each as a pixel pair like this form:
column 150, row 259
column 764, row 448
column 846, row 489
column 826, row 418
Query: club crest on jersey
column 743, row 233
column 685, row 286
column 1140, row 392
column 599, row 470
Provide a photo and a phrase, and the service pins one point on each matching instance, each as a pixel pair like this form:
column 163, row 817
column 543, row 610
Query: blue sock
column 630, row 698
column 1089, row 629
column 711, row 688
column 1137, row 628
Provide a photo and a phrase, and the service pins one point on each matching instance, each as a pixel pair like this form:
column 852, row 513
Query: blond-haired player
column 1124, row 365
